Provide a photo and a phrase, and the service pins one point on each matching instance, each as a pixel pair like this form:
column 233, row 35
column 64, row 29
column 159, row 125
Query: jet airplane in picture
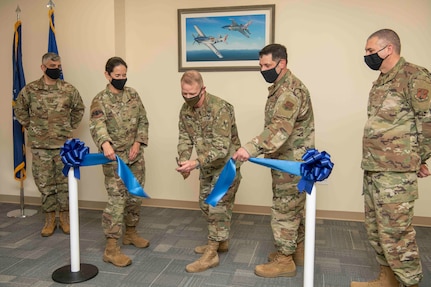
column 209, row 41
column 242, row 28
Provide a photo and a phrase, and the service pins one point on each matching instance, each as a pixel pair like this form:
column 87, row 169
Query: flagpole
column 18, row 11
column 22, row 212
column 52, row 42
column 50, row 4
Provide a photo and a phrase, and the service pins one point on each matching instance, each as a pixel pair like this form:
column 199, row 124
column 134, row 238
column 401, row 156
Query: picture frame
column 224, row 38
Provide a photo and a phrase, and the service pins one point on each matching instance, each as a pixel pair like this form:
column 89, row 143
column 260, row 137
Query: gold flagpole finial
column 50, row 4
column 18, row 11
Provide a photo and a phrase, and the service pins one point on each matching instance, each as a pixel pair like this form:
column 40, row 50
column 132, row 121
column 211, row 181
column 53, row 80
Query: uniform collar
column 389, row 76
column 123, row 96
column 274, row 87
column 41, row 85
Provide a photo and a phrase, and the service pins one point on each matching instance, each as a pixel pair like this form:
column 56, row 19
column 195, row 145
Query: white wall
column 325, row 42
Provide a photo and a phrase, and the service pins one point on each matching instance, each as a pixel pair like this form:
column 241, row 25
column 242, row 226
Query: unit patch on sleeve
column 422, row 95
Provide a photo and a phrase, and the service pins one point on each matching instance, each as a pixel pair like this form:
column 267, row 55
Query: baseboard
column 192, row 205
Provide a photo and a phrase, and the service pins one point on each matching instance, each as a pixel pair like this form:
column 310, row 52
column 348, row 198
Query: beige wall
column 325, row 41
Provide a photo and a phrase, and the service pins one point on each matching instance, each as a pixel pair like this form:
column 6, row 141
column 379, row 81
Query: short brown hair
column 388, row 36
column 192, row 76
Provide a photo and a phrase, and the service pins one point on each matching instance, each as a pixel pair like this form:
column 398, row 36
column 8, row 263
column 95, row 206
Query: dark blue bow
column 316, row 167
column 72, row 154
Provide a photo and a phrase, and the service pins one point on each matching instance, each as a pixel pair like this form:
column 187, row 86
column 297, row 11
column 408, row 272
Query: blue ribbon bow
column 74, row 154
column 316, row 167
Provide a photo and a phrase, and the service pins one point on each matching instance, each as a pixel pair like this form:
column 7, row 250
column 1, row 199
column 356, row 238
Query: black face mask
column 53, row 73
column 270, row 75
column 193, row 100
column 374, row 61
column 118, row 83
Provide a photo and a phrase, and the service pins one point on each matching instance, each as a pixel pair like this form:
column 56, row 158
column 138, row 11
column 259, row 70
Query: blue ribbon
column 316, row 167
column 74, row 154
column 223, row 183
column 292, row 167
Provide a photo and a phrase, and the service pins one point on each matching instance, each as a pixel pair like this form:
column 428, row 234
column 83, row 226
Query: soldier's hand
column 187, row 166
column 134, row 151
column 423, row 171
column 241, row 155
column 108, row 151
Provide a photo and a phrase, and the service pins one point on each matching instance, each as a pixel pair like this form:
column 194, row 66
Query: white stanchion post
column 310, row 229
column 74, row 222
column 75, row 272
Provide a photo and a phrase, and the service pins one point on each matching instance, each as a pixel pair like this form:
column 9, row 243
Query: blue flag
column 19, row 161
column 52, row 43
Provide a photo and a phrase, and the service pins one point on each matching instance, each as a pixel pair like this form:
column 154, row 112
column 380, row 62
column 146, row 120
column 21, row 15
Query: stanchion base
column 18, row 213
column 65, row 275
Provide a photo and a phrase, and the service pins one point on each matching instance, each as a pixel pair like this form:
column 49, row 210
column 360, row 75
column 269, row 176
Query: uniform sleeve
column 425, row 143
column 276, row 133
column 421, row 99
column 98, row 129
column 185, row 144
column 142, row 134
column 221, row 136
column 78, row 109
column 22, row 108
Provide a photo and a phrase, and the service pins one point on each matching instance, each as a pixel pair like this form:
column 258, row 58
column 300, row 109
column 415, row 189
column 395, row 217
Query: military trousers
column 287, row 212
column 389, row 201
column 52, row 184
column 218, row 217
column 122, row 208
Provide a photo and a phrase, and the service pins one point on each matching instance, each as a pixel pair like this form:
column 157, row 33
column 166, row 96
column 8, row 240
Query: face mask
column 270, row 75
column 53, row 73
column 118, row 83
column 373, row 61
column 194, row 100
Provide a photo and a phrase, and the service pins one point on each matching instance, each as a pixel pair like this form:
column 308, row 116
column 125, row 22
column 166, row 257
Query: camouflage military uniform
column 396, row 141
column 122, row 120
column 49, row 113
column 288, row 133
column 212, row 130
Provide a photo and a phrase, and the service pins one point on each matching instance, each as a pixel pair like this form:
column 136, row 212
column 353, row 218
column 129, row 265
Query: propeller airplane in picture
column 209, row 41
column 242, row 28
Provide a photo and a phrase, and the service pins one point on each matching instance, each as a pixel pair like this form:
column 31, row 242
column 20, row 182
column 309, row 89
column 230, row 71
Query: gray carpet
column 342, row 252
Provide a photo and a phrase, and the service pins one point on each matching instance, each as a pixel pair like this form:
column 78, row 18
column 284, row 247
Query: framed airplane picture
column 224, row 38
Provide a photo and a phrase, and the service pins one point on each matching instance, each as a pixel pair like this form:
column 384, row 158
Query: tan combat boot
column 386, row 279
column 223, row 247
column 64, row 221
column 281, row 266
column 50, row 224
column 298, row 256
column 132, row 237
column 208, row 260
column 113, row 254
